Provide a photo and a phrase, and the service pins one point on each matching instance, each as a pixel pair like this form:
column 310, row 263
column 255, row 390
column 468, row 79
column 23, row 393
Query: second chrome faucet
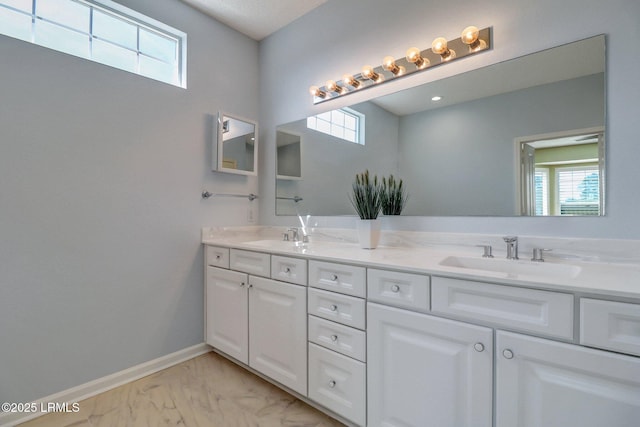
column 512, row 246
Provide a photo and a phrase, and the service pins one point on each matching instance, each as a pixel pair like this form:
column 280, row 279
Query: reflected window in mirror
column 236, row 149
column 562, row 174
column 344, row 123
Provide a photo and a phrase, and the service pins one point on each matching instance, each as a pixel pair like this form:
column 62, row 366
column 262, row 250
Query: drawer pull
column 395, row 289
column 334, row 277
column 479, row 347
column 508, row 354
column 332, row 383
column 334, row 338
column 333, row 307
column 218, row 256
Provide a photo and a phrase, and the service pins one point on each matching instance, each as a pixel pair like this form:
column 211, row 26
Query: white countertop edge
column 613, row 280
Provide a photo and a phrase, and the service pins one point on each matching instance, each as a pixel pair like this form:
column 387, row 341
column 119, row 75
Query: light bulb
column 439, row 46
column 389, row 64
column 413, row 56
column 315, row 91
column 349, row 80
column 368, row 73
column 470, row 36
column 331, row 86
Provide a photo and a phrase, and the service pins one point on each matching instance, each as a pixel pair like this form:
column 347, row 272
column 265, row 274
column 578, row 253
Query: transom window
column 344, row 123
column 101, row 31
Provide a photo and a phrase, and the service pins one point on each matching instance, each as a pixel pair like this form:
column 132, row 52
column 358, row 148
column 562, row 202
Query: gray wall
column 100, row 180
column 469, row 148
column 349, row 41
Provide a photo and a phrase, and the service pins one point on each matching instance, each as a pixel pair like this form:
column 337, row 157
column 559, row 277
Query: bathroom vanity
column 428, row 335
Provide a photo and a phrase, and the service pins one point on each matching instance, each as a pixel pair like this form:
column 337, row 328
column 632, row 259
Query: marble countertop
column 578, row 273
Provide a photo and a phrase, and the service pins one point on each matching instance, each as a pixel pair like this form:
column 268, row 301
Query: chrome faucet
column 294, row 236
column 512, row 246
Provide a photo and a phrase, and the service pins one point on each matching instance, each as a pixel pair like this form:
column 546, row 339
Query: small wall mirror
column 236, row 150
column 289, row 158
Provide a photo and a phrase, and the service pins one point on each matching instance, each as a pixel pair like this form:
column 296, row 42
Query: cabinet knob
column 218, row 256
column 242, row 284
column 250, row 285
column 287, row 270
column 395, row 289
column 508, row 354
column 334, row 277
column 333, row 307
column 479, row 347
column 334, row 338
column 332, row 383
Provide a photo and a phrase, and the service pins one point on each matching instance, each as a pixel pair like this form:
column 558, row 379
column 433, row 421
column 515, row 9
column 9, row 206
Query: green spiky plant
column 366, row 196
column 394, row 196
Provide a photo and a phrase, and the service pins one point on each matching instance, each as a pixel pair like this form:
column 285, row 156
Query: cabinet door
column 542, row 383
column 227, row 312
column 278, row 331
column 423, row 370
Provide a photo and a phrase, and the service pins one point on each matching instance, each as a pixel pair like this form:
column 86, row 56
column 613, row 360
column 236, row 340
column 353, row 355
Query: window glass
column 59, row 38
column 157, row 46
column 69, row 13
column 24, row 5
column 158, row 69
column 116, row 56
column 116, row 30
column 16, row 24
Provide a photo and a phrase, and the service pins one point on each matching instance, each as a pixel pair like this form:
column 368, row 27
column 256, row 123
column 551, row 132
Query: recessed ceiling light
column 436, row 98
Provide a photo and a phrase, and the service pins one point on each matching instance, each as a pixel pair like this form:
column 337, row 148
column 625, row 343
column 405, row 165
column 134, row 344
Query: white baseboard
column 100, row 385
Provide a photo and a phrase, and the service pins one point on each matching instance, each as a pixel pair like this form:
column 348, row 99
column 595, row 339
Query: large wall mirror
column 236, row 149
column 522, row 137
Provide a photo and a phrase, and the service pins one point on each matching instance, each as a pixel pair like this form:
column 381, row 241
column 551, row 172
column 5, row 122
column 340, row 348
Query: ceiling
column 255, row 18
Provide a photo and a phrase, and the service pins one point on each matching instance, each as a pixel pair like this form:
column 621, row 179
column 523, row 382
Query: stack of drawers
column 337, row 339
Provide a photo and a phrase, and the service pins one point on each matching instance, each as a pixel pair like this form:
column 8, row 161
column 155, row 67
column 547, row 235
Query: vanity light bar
column 471, row 41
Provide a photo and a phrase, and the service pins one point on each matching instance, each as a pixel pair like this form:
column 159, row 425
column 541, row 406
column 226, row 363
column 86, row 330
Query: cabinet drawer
column 293, row 270
column 338, row 383
column 250, row 262
column 610, row 325
column 399, row 289
column 547, row 313
column 345, row 279
column 217, row 257
column 343, row 339
column 339, row 308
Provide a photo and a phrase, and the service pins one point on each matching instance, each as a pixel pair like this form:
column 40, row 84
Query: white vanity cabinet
column 543, row 383
column 424, row 370
column 259, row 321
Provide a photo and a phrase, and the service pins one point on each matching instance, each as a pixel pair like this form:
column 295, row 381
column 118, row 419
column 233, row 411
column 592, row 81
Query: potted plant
column 367, row 201
column 394, row 196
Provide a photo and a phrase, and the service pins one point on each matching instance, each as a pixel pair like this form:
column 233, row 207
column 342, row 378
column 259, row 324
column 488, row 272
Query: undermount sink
column 513, row 267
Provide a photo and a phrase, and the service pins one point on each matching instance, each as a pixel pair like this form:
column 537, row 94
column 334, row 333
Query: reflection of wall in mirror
column 239, row 150
column 330, row 164
column 288, row 157
column 468, row 148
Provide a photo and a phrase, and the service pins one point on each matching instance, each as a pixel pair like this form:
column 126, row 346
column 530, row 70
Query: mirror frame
column 218, row 148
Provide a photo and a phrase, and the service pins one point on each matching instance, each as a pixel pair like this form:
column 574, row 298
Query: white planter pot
column 368, row 232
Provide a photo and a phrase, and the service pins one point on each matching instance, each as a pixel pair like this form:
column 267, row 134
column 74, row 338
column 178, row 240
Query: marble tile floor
column 207, row 391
